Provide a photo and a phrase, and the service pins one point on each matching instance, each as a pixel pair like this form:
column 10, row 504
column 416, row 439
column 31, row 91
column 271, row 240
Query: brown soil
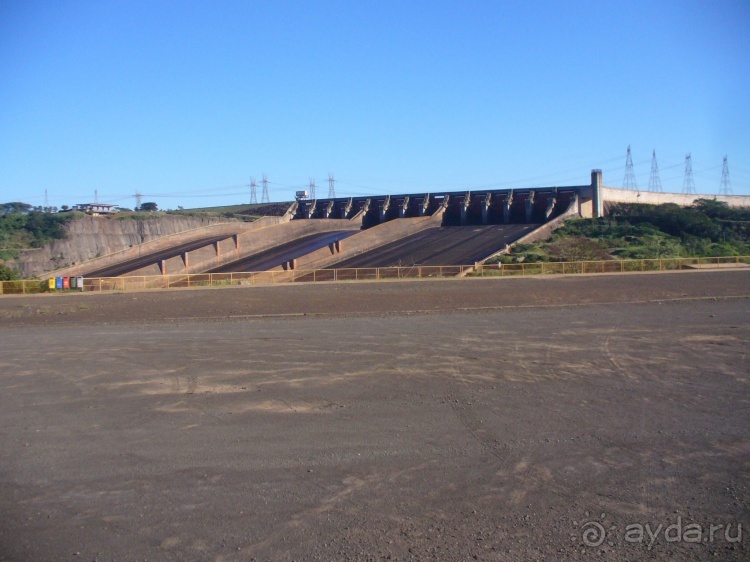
column 496, row 419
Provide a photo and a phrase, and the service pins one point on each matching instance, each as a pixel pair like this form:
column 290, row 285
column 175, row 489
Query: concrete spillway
column 153, row 257
column 457, row 245
column 284, row 253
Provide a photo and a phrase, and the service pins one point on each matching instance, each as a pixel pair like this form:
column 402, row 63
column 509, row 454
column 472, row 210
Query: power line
column 725, row 188
column 331, row 188
column 688, row 184
column 654, row 181
column 264, row 198
column 312, row 189
column 628, row 182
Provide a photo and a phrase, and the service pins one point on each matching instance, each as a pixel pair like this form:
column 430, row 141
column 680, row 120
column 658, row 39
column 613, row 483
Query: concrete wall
column 614, row 195
column 248, row 243
column 367, row 240
column 90, row 238
column 161, row 243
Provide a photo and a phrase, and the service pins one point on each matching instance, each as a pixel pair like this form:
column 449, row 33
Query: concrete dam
column 416, row 229
column 441, row 228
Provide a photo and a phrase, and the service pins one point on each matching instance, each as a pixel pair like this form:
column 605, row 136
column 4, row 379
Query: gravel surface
column 496, row 419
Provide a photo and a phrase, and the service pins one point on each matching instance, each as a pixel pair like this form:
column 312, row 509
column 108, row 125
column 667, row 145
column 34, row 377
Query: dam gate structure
column 482, row 207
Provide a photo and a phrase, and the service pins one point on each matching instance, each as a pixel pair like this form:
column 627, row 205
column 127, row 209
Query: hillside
column 33, row 242
column 639, row 231
column 65, row 238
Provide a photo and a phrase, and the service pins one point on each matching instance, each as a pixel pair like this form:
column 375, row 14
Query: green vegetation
column 222, row 209
column 245, row 212
column 636, row 231
column 213, row 215
column 8, row 274
column 22, row 228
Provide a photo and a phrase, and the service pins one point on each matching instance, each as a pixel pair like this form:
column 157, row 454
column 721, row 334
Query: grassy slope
column 641, row 231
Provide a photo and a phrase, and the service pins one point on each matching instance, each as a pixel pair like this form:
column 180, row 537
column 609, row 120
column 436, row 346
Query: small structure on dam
column 495, row 206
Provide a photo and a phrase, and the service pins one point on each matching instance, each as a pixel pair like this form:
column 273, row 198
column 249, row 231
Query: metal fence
column 129, row 283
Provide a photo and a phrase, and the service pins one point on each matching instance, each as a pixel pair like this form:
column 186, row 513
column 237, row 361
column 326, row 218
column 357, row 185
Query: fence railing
column 129, row 283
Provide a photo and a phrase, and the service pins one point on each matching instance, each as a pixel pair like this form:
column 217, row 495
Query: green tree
column 7, row 273
column 15, row 207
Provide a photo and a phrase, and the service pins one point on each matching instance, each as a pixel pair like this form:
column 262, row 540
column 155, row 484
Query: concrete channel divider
column 361, row 242
column 165, row 242
column 216, row 254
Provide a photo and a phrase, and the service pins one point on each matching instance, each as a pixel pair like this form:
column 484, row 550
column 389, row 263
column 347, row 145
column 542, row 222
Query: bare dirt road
column 500, row 419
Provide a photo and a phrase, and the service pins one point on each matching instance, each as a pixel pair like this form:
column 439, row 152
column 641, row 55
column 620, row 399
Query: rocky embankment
column 91, row 237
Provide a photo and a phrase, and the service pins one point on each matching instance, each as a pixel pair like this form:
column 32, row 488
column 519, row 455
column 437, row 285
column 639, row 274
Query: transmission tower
column 253, row 192
column 331, row 188
column 688, row 185
column 654, row 181
column 264, row 198
column 726, row 185
column 46, row 197
column 628, row 181
column 96, row 196
column 312, row 189
column 138, row 197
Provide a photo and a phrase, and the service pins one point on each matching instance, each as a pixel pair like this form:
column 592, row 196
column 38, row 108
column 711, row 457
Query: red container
column 66, row 282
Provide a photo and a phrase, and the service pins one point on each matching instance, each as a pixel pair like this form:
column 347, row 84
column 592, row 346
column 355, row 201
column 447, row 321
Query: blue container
column 58, row 283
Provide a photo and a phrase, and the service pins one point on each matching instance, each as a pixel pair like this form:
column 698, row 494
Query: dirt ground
column 495, row 419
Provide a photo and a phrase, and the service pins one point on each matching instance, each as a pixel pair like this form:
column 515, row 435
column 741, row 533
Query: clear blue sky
column 185, row 101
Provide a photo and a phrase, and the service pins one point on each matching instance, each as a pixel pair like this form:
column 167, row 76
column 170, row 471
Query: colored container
column 73, row 283
column 79, row 283
column 66, row 282
column 51, row 283
column 58, row 283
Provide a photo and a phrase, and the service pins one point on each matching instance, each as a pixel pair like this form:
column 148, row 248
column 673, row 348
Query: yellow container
column 51, row 283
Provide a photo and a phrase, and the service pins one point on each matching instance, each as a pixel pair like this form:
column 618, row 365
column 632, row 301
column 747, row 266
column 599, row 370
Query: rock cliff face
column 90, row 237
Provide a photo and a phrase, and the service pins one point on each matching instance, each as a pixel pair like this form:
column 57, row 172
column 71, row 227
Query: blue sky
column 185, row 101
